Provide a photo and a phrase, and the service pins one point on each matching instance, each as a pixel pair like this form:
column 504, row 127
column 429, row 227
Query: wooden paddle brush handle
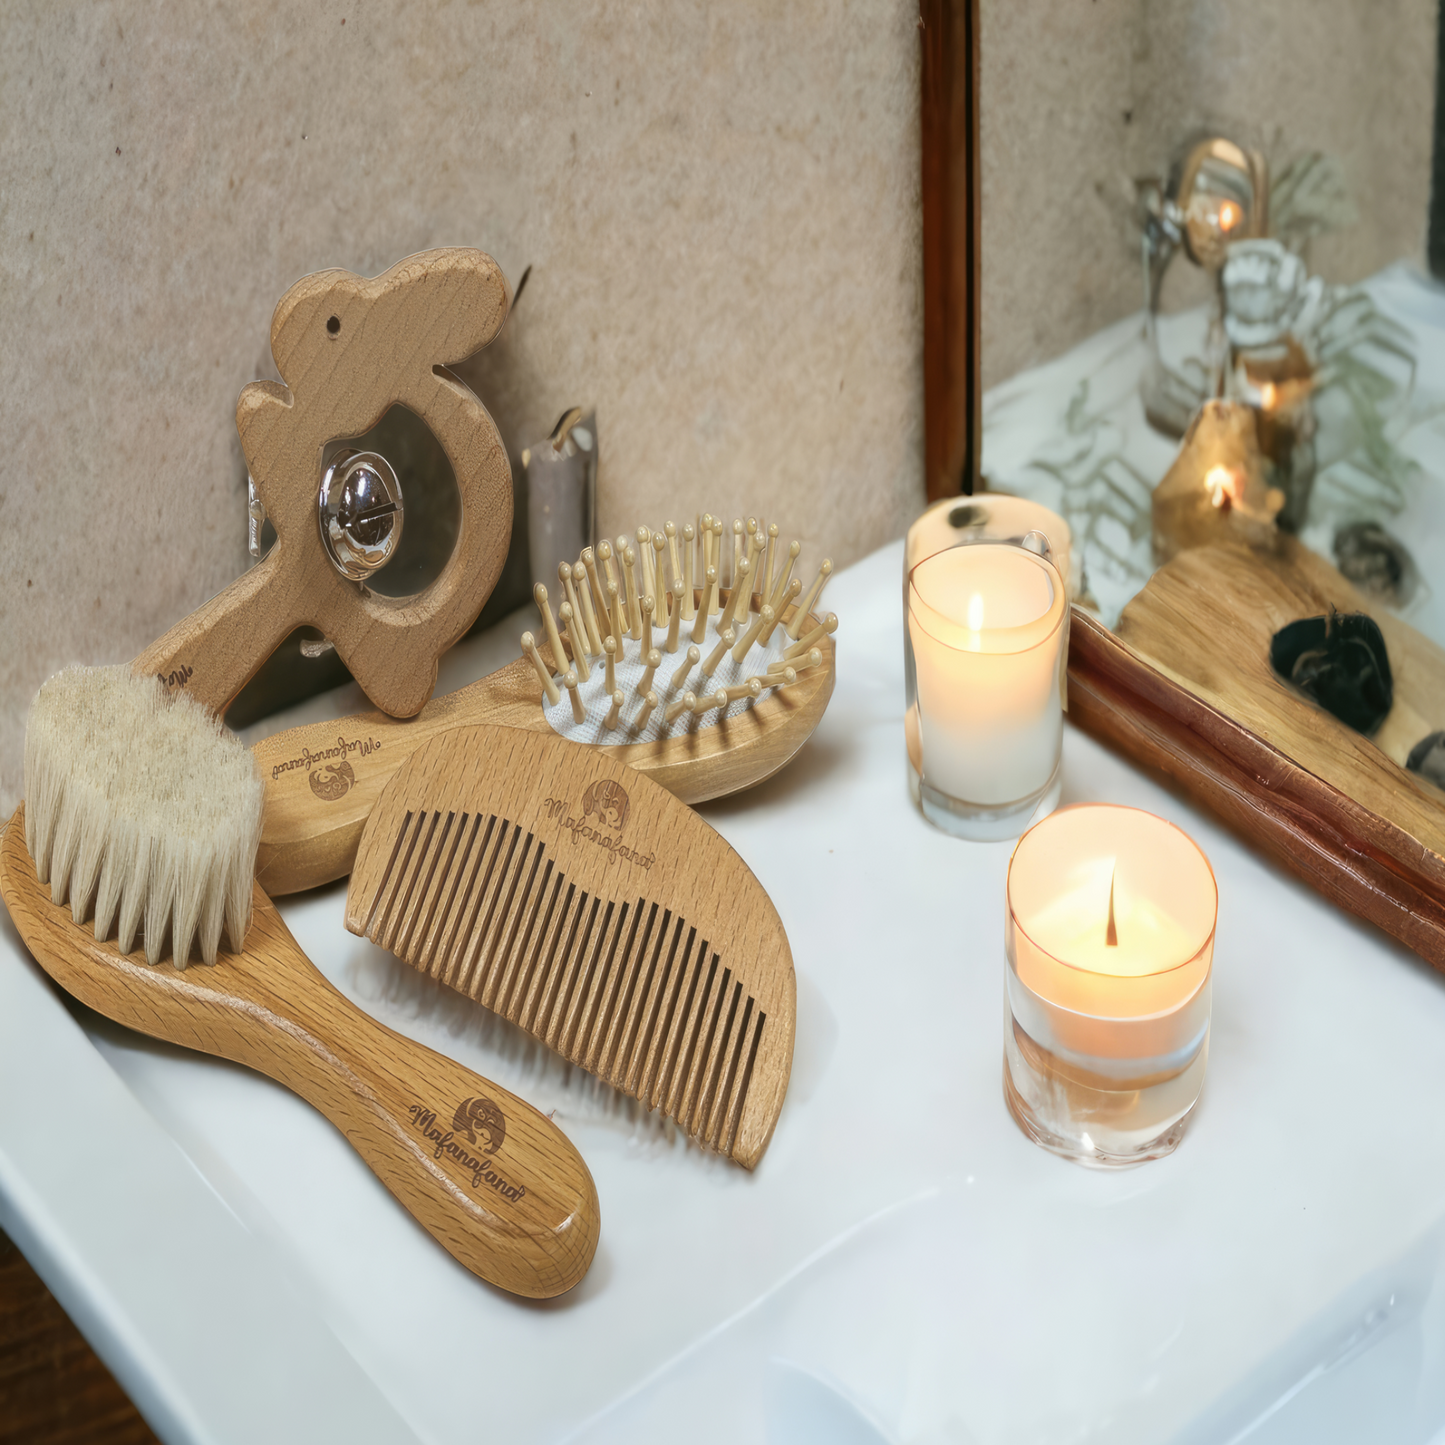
column 323, row 780
column 216, row 650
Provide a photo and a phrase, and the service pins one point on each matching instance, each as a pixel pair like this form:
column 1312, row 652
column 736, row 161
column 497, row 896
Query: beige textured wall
column 719, row 203
column 1078, row 97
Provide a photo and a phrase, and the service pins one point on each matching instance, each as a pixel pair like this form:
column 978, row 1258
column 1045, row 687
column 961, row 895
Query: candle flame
column 1230, row 215
column 1223, row 487
column 975, row 612
column 1267, row 396
column 1111, row 932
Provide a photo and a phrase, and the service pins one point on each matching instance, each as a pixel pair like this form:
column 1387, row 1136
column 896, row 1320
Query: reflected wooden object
column 1185, row 686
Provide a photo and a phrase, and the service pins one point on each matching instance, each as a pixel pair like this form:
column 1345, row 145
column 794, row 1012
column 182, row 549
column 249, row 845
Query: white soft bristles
column 649, row 580
column 142, row 807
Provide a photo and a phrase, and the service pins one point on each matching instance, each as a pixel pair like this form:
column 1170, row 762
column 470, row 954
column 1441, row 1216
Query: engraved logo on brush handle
column 178, row 677
column 471, row 1115
column 329, row 771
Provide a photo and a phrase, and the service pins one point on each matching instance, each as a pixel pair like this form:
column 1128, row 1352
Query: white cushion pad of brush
column 629, row 669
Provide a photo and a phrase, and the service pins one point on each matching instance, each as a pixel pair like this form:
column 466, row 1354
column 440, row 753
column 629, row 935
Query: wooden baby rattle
column 349, row 348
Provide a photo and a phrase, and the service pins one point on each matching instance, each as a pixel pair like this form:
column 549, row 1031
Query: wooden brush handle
column 323, row 780
column 512, row 1200
column 213, row 653
column 498, row 1185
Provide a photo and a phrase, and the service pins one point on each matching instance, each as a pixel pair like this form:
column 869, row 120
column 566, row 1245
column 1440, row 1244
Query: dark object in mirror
column 968, row 514
column 1427, row 758
column 1375, row 562
column 1340, row 662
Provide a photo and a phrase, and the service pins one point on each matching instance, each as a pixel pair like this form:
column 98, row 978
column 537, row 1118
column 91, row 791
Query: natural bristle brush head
column 141, row 808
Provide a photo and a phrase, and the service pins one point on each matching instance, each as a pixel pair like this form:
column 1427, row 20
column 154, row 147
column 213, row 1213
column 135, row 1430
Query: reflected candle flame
column 1223, row 486
column 975, row 612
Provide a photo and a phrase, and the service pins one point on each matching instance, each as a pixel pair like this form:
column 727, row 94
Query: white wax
column 987, row 627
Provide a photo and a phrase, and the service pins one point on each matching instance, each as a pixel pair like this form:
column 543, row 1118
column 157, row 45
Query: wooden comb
column 499, row 1186
column 585, row 903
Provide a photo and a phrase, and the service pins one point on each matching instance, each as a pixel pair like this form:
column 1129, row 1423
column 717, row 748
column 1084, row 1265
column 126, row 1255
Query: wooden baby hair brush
column 585, row 903
column 145, row 813
column 322, row 780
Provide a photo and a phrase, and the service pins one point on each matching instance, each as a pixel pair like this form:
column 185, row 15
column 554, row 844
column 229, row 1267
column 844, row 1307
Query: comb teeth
column 625, row 990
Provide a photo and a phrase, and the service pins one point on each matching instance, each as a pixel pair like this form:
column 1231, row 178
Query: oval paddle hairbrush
column 590, row 907
column 322, row 780
column 499, row 1186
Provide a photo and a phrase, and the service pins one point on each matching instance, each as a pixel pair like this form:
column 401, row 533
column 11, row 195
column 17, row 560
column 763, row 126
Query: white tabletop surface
column 904, row 1266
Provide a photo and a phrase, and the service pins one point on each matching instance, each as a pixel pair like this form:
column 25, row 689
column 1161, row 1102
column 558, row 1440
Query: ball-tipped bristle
column 142, row 807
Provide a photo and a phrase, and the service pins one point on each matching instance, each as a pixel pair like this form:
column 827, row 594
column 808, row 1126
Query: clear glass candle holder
column 1109, row 941
column 988, row 644
column 961, row 522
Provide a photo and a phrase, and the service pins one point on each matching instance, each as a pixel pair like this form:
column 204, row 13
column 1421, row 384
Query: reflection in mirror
column 1283, row 278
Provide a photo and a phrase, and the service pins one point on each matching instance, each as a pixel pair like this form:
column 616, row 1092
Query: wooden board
column 590, row 907
column 1185, row 686
column 323, row 780
column 498, row 1185
column 349, row 348
column 54, row 1390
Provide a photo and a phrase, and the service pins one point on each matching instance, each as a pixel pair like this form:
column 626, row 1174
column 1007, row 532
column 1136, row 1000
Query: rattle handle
column 215, row 651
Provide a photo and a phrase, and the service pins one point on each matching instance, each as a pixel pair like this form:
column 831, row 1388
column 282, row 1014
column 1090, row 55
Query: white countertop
column 904, row 1266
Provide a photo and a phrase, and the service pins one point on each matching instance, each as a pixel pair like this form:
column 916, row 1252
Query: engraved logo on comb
column 606, row 802
column 609, row 801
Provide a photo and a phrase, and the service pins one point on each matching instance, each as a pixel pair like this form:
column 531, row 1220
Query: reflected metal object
column 1216, row 193
column 360, row 512
column 1219, row 193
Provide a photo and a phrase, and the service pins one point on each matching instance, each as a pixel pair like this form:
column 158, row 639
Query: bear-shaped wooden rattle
column 348, row 349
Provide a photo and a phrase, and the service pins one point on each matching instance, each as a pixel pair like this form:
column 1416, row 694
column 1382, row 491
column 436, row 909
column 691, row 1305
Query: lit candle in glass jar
column 988, row 627
column 966, row 521
column 1109, row 941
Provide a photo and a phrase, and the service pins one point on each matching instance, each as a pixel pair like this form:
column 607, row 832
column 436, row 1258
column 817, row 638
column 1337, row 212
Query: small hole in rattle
column 334, row 325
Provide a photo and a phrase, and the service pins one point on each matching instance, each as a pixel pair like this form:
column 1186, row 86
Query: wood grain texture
column 579, row 899
column 952, row 386
column 1185, row 687
column 349, row 348
column 494, row 1182
column 315, row 812
column 54, row 1390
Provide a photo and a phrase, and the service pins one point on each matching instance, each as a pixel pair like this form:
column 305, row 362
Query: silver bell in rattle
column 360, row 512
